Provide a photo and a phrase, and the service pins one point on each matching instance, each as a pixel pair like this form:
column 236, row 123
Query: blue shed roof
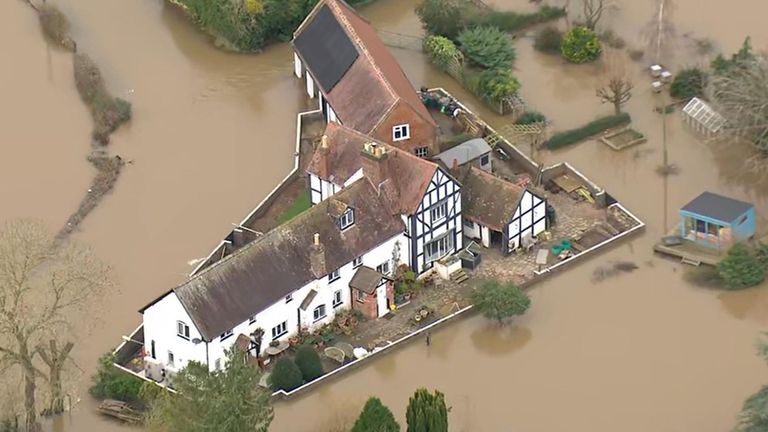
column 717, row 207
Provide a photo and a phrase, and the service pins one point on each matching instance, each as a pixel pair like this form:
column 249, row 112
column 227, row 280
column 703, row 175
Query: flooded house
column 717, row 221
column 295, row 276
column 709, row 225
column 500, row 213
column 358, row 82
column 426, row 196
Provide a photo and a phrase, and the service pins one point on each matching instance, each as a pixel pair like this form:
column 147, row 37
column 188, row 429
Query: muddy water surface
column 212, row 133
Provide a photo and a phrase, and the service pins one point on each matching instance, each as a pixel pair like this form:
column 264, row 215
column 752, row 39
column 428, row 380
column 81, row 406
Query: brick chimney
column 374, row 163
column 317, row 257
column 325, row 150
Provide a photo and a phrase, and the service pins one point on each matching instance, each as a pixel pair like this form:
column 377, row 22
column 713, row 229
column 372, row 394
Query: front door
column 382, row 301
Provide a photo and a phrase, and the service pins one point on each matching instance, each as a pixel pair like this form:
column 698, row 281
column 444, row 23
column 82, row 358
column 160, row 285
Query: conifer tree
column 427, row 412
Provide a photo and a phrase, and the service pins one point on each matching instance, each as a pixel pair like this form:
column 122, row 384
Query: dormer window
column 401, row 132
column 347, row 219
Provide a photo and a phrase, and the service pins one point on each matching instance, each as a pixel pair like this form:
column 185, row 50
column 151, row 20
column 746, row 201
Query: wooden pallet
column 690, row 261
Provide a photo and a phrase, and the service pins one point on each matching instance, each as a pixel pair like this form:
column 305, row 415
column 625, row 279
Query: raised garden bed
column 623, row 138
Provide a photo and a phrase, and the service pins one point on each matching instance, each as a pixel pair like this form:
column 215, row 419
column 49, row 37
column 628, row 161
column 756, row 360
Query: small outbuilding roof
column 717, row 207
column 489, row 200
column 465, row 152
column 366, row 279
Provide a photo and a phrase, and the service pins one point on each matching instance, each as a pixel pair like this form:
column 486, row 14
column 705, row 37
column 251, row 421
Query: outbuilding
column 717, row 221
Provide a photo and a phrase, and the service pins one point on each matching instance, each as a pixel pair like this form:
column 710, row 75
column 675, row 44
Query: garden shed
column 477, row 151
column 716, row 221
column 702, row 117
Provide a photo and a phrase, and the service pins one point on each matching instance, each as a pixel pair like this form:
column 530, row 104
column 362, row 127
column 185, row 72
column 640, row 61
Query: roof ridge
column 359, row 42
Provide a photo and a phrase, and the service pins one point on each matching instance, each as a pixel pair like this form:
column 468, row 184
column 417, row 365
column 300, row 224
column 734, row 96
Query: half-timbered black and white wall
column 435, row 229
column 320, row 189
column 529, row 219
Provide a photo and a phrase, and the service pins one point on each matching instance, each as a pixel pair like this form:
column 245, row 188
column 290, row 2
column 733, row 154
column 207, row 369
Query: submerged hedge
column 509, row 21
column 562, row 139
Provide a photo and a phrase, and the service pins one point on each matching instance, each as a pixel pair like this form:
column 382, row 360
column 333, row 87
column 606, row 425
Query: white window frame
column 357, row 262
column 361, row 295
column 252, row 320
column 421, row 152
column 337, row 299
column 289, row 298
column 401, row 132
column 439, row 211
column 383, row 268
column 334, row 275
column 171, row 359
column 217, row 364
column 280, row 330
column 347, row 219
column 182, row 330
column 226, row 335
column 485, row 159
column 316, row 313
column 446, row 241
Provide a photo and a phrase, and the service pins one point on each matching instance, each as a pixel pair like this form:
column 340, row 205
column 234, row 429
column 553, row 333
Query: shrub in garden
column 740, row 268
column 487, row 46
column 440, row 17
column 442, row 51
column 530, row 117
column 308, row 363
column 375, row 417
column 594, row 127
column 496, row 84
column 689, row 83
column 499, row 301
column 112, row 383
column 761, row 253
column 427, row 412
column 581, row 45
column 285, row 375
column 548, row 40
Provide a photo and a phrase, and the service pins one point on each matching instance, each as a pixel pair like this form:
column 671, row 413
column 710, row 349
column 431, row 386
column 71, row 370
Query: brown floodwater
column 213, row 132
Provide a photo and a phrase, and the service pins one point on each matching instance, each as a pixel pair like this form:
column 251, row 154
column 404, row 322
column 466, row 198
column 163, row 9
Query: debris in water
column 613, row 268
column 667, row 170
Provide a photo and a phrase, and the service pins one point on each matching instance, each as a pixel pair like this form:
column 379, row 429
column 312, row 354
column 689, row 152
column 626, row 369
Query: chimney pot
column 316, row 239
column 324, row 142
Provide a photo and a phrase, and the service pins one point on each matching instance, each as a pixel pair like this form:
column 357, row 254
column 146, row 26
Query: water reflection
column 750, row 304
column 495, row 340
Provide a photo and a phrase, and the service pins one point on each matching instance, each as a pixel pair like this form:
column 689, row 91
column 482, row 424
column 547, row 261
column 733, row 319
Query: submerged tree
column 740, row 268
column 375, row 417
column 427, row 412
column 499, row 301
column 42, row 286
column 230, row 400
column 739, row 92
column 754, row 413
column 618, row 88
column 593, row 11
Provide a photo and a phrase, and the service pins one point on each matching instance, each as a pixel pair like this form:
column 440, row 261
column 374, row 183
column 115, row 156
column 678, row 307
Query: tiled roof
column 279, row 262
column 487, row 199
column 374, row 82
column 366, row 280
column 407, row 176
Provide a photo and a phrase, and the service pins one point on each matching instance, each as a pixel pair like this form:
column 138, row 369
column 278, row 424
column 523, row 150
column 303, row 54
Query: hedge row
column 562, row 139
column 512, row 21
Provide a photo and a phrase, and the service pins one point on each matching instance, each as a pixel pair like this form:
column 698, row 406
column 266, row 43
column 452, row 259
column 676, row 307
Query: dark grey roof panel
column 326, row 49
column 717, row 207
